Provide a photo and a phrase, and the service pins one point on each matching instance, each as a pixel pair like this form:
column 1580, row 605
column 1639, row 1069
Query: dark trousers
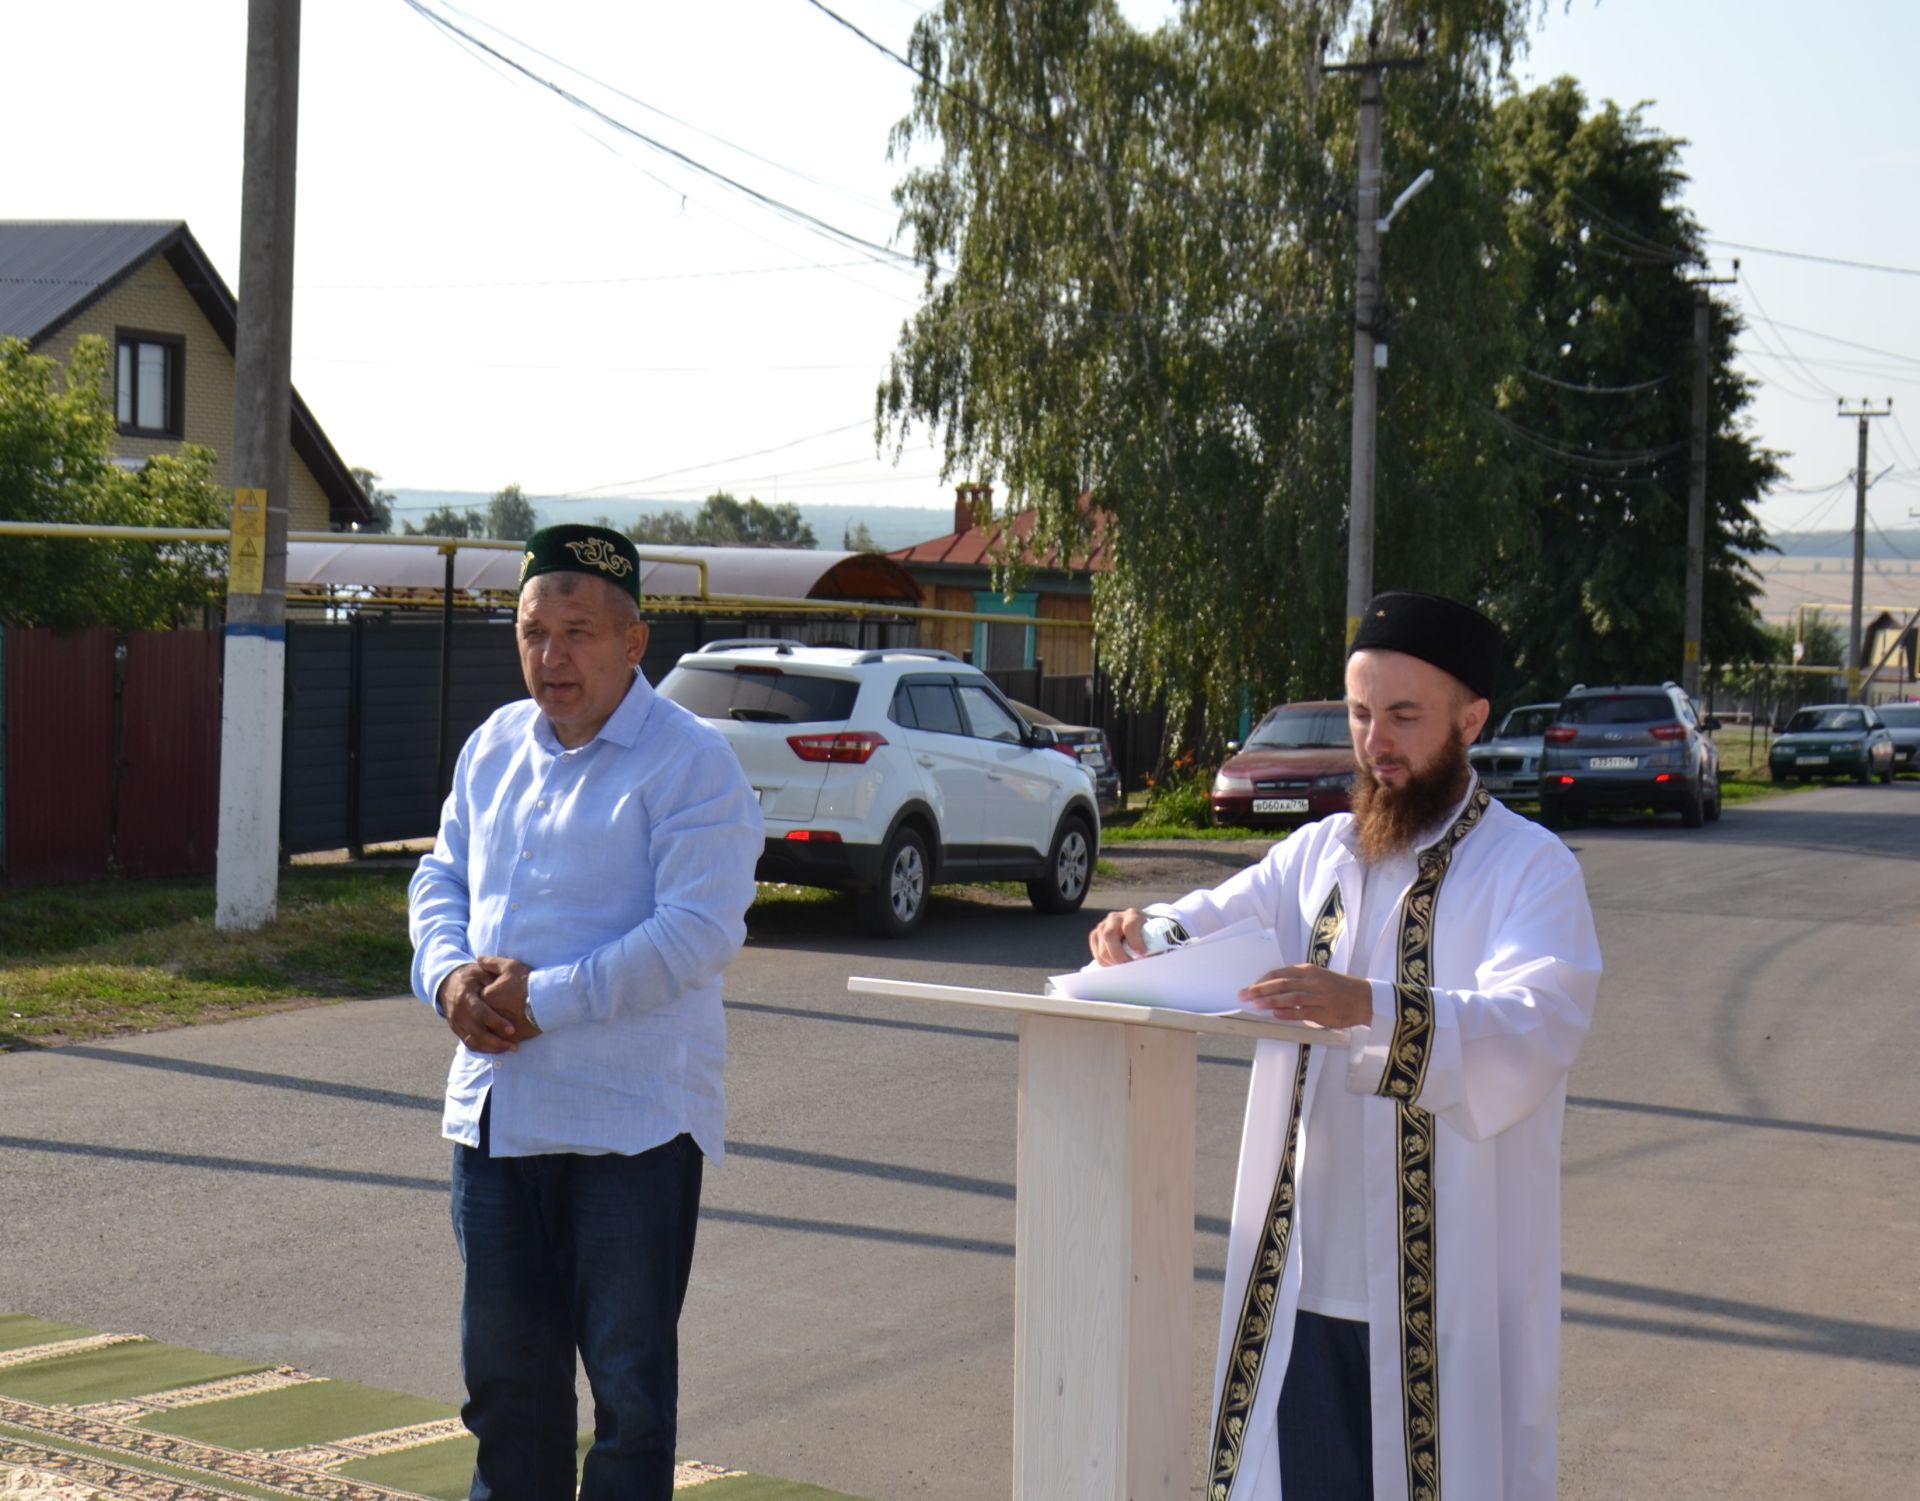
column 568, row 1252
column 1326, row 1413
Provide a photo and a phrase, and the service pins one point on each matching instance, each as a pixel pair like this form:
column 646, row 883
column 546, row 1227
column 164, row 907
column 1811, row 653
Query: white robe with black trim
column 1463, row 1169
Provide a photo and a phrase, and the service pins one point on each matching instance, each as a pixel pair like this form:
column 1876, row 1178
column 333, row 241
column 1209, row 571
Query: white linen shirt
column 620, row 873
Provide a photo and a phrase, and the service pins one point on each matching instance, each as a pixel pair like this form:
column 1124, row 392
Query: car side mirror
column 1042, row 737
column 1233, row 747
column 1713, row 723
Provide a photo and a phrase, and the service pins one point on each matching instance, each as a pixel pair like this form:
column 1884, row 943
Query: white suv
column 883, row 772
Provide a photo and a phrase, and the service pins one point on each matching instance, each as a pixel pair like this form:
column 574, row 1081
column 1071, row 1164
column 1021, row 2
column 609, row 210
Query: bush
column 1179, row 799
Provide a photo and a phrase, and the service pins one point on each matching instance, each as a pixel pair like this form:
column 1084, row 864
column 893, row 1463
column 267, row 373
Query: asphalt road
column 1743, row 1315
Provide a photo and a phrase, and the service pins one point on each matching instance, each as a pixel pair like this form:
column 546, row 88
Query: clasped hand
column 486, row 1004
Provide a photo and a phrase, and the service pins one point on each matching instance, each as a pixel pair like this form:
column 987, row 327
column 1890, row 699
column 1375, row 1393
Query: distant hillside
column 1839, row 544
column 891, row 527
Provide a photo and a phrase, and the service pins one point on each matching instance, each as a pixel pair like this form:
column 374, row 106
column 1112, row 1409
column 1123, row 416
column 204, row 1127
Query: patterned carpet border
column 110, row 1449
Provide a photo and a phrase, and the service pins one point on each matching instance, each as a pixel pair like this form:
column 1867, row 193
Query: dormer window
column 149, row 383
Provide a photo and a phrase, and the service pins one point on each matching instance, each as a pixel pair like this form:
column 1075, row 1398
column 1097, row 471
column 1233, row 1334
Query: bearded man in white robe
column 1390, row 1329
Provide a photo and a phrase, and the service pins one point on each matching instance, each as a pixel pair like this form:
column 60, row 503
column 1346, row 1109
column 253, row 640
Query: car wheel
column 1713, row 808
column 1069, row 869
column 1693, row 810
column 1864, row 775
column 894, row 907
column 1886, row 777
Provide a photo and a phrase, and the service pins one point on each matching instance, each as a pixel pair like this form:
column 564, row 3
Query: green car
column 1833, row 740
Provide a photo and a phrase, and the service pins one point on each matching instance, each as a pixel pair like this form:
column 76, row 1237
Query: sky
column 492, row 287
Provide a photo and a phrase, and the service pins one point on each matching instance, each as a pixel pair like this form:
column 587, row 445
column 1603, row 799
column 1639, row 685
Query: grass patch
column 111, row 957
column 1139, row 833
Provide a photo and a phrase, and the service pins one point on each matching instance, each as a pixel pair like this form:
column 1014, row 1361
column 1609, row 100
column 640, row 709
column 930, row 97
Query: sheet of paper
column 1204, row 976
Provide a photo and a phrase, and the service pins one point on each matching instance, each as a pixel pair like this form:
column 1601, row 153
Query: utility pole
column 1369, row 348
column 1697, row 483
column 1863, row 414
column 247, row 872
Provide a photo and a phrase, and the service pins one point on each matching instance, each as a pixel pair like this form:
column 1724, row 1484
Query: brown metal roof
column 983, row 546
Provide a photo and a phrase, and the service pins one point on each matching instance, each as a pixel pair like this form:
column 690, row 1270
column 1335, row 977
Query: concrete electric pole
column 1697, row 482
column 247, row 872
column 1369, row 348
column 1864, row 414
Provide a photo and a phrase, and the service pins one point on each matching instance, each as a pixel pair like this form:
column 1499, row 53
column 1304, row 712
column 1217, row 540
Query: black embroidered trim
column 1270, row 1263
column 1406, row 1073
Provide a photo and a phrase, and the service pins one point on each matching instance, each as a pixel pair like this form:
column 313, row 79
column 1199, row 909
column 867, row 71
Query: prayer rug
column 98, row 1417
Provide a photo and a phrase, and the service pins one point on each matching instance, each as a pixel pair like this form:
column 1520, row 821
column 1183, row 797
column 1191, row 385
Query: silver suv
column 1629, row 747
column 886, row 772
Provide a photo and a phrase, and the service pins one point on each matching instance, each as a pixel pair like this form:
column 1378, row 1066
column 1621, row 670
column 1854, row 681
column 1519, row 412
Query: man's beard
column 1388, row 820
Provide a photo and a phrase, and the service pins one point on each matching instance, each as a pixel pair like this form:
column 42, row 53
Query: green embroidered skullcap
column 597, row 550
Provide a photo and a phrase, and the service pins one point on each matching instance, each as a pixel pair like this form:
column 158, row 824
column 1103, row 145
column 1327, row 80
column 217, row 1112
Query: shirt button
column 543, row 802
column 513, row 906
column 526, row 854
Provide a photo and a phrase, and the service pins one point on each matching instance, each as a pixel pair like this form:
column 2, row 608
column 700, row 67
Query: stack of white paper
column 1204, row 976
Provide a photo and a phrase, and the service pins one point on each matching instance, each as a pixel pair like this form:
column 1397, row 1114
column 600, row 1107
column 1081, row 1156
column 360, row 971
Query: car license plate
column 1094, row 759
column 1279, row 805
column 1612, row 763
column 1497, row 784
column 1811, row 761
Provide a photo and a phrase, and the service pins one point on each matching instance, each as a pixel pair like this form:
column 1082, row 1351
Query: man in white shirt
column 589, row 885
column 1391, row 1321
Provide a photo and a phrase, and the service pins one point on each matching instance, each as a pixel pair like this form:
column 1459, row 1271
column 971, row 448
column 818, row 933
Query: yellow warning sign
column 247, row 553
column 1693, row 651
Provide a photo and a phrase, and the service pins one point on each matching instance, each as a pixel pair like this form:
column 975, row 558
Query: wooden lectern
column 1103, row 1237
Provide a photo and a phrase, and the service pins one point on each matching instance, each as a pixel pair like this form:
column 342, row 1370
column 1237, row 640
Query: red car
column 1296, row 766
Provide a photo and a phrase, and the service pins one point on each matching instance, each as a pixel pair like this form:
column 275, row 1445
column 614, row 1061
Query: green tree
column 379, row 501
column 1139, row 258
column 57, row 465
column 445, row 521
column 1598, row 414
column 856, row 538
column 723, row 521
column 510, row 515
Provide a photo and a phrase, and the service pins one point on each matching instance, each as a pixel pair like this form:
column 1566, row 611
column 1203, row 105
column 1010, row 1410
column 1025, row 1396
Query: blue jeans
column 567, row 1252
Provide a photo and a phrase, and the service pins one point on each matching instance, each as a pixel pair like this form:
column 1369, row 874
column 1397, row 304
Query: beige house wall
column 155, row 300
column 955, row 636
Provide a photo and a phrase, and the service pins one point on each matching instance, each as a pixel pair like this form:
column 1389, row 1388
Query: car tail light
column 812, row 836
column 1668, row 732
column 1564, row 781
column 1665, row 776
column 1561, row 734
column 1072, row 752
column 854, row 747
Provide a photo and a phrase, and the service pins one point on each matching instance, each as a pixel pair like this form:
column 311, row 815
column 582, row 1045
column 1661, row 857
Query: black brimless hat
column 1454, row 637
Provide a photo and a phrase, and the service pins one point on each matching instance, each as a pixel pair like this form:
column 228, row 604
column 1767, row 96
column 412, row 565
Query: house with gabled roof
column 148, row 289
column 956, row 573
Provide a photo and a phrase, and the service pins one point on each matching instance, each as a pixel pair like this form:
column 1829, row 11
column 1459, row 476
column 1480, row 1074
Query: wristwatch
column 1162, row 933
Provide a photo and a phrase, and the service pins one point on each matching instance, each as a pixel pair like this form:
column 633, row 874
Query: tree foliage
column 379, row 501
column 856, row 538
column 510, row 515
column 447, row 521
column 1139, row 258
column 1600, row 410
column 57, row 465
column 723, row 521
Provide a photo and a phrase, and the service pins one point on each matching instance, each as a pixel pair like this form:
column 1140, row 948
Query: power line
column 987, row 112
column 1825, row 260
column 573, row 281
column 1592, row 390
column 882, row 253
column 1760, row 307
column 655, row 109
column 647, row 479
